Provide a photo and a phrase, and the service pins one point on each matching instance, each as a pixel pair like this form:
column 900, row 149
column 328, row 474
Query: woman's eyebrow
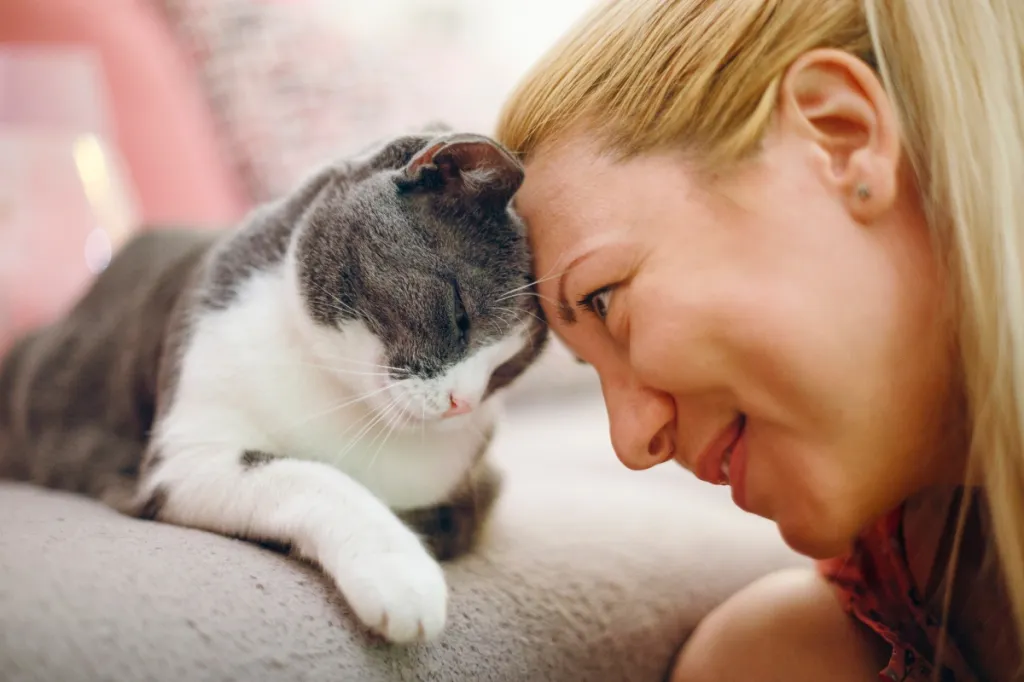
column 566, row 312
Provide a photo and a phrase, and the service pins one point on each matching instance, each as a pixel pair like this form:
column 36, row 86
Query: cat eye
column 461, row 315
column 597, row 302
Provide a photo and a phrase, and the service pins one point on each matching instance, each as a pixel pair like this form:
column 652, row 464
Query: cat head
column 417, row 276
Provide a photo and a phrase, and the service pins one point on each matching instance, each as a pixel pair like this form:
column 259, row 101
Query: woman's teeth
column 727, row 456
column 725, row 466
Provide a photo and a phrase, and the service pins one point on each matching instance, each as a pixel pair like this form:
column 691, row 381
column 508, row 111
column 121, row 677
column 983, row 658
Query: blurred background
column 190, row 111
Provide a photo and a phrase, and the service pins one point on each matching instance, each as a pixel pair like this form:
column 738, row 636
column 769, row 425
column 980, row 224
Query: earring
column 863, row 192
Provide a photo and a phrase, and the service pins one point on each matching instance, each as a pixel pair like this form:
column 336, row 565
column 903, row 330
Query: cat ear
column 474, row 166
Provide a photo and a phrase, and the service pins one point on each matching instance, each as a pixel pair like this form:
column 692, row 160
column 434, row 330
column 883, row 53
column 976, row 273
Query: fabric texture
column 588, row 572
column 875, row 584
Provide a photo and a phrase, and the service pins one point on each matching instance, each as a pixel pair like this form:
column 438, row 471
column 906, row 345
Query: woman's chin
column 816, row 538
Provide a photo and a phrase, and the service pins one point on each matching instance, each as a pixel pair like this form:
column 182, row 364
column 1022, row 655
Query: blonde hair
column 703, row 76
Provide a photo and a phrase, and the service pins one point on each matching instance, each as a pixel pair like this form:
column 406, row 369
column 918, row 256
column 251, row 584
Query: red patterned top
column 876, row 586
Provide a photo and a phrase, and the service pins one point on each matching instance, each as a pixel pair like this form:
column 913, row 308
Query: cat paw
column 401, row 595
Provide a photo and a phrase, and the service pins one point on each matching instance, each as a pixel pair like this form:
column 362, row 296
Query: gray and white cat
column 320, row 378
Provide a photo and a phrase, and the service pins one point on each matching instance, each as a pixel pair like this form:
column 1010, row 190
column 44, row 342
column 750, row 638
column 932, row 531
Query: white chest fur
column 253, row 377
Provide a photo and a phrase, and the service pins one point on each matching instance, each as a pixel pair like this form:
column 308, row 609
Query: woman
column 788, row 236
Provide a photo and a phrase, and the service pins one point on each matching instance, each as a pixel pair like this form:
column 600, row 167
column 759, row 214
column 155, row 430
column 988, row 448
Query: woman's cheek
column 618, row 328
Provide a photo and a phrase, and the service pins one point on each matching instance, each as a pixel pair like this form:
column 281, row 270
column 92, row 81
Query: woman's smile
column 723, row 461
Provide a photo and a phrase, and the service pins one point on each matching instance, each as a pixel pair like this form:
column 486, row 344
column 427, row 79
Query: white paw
column 401, row 595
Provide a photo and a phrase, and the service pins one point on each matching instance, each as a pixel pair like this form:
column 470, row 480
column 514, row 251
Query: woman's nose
column 642, row 423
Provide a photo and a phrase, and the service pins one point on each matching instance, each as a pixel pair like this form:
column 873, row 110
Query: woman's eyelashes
column 597, row 302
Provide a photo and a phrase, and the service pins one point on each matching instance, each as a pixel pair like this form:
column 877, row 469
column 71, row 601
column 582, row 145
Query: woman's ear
column 836, row 102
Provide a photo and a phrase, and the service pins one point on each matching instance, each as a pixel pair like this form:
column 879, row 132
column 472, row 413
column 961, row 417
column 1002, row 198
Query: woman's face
column 752, row 328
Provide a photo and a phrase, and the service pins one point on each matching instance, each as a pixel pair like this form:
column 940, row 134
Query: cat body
column 322, row 377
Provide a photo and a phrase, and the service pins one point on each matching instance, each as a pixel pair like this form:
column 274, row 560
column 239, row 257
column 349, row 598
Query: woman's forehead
column 571, row 188
column 551, row 200
column 573, row 196
column 559, row 179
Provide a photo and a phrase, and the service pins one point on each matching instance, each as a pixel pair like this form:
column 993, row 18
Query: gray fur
column 254, row 458
column 396, row 244
column 451, row 529
column 360, row 229
column 79, row 397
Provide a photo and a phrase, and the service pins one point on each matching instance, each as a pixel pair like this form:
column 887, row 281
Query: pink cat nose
column 457, row 406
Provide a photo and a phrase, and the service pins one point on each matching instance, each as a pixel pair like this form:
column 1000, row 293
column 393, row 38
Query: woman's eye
column 598, row 302
column 601, row 303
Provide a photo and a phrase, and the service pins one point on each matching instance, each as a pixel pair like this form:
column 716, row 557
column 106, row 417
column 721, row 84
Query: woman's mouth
column 717, row 463
column 730, row 451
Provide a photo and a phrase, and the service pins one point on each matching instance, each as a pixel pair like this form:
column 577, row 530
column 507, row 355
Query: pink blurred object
column 65, row 204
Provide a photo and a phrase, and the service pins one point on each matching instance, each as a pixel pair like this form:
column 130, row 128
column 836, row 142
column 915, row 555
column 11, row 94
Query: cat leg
column 380, row 566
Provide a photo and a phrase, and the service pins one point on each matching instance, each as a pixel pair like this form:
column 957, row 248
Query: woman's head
column 774, row 295
column 737, row 224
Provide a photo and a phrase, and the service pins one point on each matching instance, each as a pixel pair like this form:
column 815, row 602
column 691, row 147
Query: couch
column 588, row 572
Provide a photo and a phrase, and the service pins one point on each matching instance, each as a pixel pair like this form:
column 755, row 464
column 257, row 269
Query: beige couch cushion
column 590, row 572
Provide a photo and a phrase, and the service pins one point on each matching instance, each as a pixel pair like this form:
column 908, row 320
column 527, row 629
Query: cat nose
column 457, row 406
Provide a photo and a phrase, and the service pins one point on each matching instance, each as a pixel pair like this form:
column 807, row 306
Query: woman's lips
column 715, row 464
column 738, row 471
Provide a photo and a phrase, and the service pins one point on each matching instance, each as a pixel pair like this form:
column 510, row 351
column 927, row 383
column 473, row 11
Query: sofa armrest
column 587, row 572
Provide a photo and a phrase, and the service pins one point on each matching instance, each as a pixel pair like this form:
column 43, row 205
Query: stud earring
column 863, row 192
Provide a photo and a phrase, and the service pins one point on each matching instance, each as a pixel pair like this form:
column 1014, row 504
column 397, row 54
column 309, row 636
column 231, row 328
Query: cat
column 321, row 378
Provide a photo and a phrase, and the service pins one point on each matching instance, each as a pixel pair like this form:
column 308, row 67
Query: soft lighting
column 98, row 251
column 102, row 190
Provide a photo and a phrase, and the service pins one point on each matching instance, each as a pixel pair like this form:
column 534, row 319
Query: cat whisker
column 497, row 329
column 524, row 294
column 368, row 416
column 299, row 363
column 531, row 284
column 344, row 311
column 341, row 456
column 387, row 370
column 373, row 365
column 367, row 428
column 329, row 410
column 394, row 409
column 349, row 372
column 392, row 426
column 517, row 314
column 386, row 416
column 342, row 306
column 507, row 321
